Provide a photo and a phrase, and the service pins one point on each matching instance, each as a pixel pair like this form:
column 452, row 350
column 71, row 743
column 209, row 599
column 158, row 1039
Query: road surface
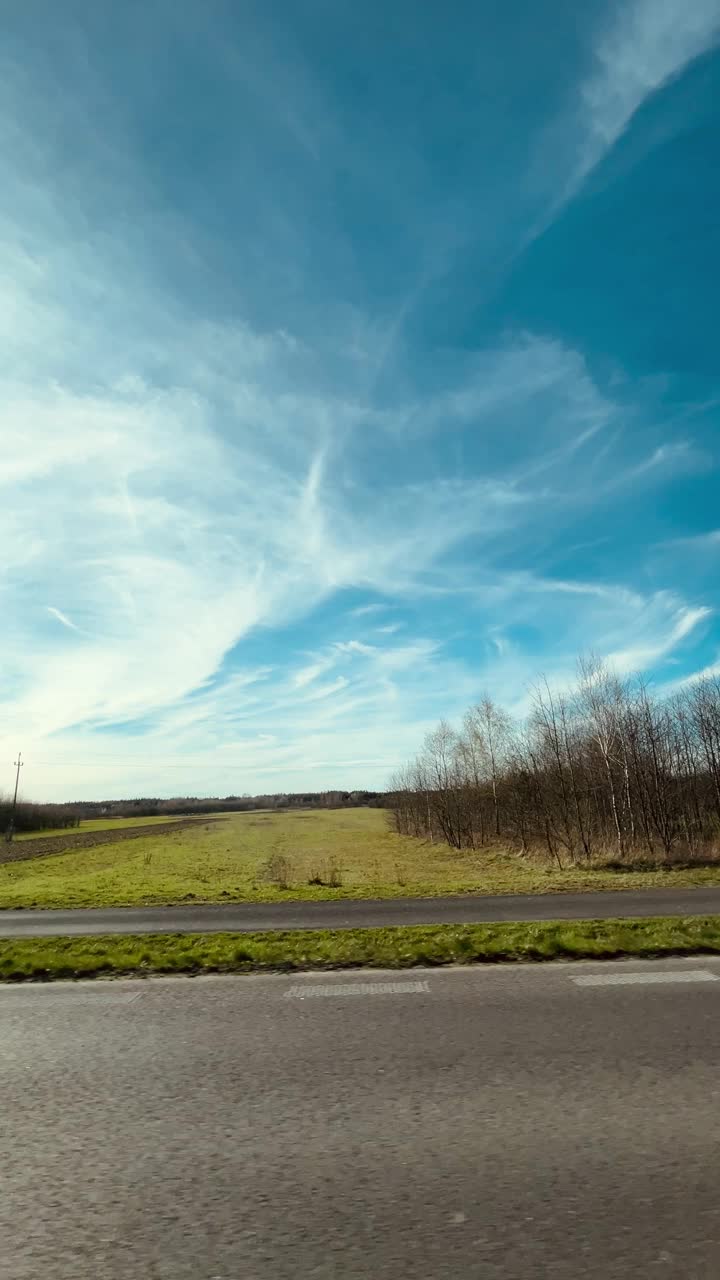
column 244, row 917
column 491, row 1124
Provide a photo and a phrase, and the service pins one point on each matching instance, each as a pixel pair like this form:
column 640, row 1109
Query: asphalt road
column 244, row 917
column 486, row 1123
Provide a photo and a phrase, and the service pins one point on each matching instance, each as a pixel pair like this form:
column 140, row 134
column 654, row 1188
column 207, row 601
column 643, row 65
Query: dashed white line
column 647, row 979
column 307, row 990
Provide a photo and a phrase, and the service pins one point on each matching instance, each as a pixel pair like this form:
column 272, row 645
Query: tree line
column 607, row 767
column 150, row 807
column 36, row 817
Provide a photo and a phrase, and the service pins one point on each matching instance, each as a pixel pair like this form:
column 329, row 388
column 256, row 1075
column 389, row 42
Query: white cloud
column 364, row 610
column 163, row 548
column 709, row 541
column 355, row 646
column 326, row 690
column 639, row 657
column 170, row 528
column 499, row 641
column 61, row 617
column 645, row 44
column 649, row 42
column 306, row 675
column 170, row 532
column 680, row 455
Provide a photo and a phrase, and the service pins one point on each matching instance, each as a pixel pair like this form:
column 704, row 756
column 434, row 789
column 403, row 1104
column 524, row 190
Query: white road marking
column 302, row 990
column 636, row 979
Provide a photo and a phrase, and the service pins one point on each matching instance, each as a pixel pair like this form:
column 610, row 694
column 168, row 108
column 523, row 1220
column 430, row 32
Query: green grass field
column 42, row 959
column 346, row 853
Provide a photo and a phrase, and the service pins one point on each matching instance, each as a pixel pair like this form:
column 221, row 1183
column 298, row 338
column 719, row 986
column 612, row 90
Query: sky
column 355, row 361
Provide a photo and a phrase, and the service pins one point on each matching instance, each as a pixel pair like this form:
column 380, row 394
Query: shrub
column 278, row 871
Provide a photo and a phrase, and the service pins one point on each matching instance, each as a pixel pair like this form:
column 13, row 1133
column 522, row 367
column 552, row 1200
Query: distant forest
column 41, row 817
column 151, row 808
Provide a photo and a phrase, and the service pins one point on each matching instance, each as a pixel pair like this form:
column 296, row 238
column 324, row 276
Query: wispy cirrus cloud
column 646, row 45
column 637, row 51
column 674, row 457
column 709, row 541
column 364, row 610
column 145, row 508
column 309, row 674
column 639, row 657
column 61, row 617
column 160, row 546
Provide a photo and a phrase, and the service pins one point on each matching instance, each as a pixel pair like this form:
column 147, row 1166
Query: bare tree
column 489, row 731
column 606, row 765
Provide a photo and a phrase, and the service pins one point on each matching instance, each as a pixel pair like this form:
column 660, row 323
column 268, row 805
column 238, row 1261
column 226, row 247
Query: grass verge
column 42, row 959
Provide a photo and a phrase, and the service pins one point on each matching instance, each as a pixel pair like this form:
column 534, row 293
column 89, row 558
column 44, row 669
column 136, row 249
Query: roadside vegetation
column 43, row 959
column 266, row 857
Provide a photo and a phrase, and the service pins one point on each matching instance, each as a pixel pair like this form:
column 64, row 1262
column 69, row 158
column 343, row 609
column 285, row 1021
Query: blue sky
column 355, row 360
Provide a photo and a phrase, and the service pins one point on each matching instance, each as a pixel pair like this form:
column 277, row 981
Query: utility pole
column 18, row 766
